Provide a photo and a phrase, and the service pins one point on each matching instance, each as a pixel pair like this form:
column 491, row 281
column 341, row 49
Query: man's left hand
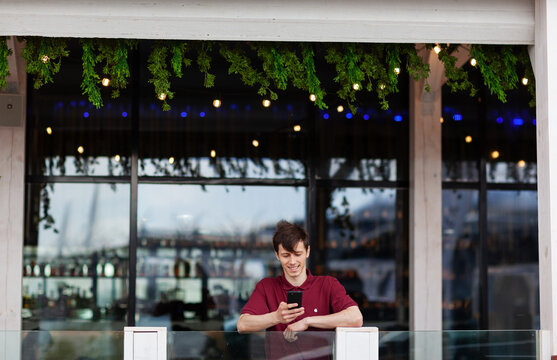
column 294, row 328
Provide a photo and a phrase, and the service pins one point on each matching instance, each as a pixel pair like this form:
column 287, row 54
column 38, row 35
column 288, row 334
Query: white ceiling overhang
column 396, row 21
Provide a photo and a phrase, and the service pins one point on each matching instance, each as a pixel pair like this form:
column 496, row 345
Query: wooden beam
column 399, row 21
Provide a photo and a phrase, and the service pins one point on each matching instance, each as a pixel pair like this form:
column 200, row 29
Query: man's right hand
column 286, row 314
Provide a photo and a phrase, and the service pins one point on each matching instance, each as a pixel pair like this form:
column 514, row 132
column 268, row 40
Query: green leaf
column 4, row 66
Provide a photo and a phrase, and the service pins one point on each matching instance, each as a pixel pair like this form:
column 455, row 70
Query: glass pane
column 513, row 287
column 68, row 136
column 75, row 266
column 461, row 116
column 364, row 245
column 460, row 267
column 202, row 249
column 371, row 144
column 511, row 151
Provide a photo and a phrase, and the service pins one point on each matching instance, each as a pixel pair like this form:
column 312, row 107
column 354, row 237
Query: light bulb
column 49, row 130
column 473, row 62
column 117, row 158
column 312, row 97
column 437, row 49
column 45, row 59
column 297, row 128
column 106, row 81
column 356, row 86
column 217, row 103
column 524, row 81
column 162, row 96
column 340, row 108
column 441, row 119
column 468, row 139
column 396, row 70
column 213, row 153
column 255, row 143
column 266, row 103
column 382, row 86
column 171, row 160
column 521, row 163
column 80, row 149
column 494, row 154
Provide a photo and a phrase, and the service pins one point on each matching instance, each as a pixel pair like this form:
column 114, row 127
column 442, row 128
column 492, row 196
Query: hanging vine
column 272, row 67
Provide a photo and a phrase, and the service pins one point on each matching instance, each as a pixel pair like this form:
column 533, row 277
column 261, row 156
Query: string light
column 117, row 158
column 45, row 59
column 297, row 128
column 468, row 139
column 473, row 62
column 312, row 97
column 356, row 86
column 340, row 108
column 217, row 103
column 80, row 149
column 162, row 96
column 266, row 103
column 521, row 163
column 524, row 81
column 255, row 143
column 213, row 153
column 396, row 70
column 437, row 49
column 441, row 120
column 49, row 130
column 382, row 86
column 106, row 81
column 494, row 154
column 171, row 160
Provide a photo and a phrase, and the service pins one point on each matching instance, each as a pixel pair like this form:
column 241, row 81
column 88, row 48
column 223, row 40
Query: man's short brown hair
column 288, row 235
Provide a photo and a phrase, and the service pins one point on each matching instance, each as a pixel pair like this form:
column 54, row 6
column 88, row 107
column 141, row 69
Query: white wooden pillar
column 425, row 213
column 12, row 195
column 545, row 67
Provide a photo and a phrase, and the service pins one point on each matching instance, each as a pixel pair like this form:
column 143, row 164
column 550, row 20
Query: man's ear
column 276, row 254
column 309, row 247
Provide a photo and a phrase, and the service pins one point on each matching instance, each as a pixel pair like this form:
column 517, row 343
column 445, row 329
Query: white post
column 357, row 343
column 12, row 195
column 144, row 343
column 425, row 200
column 545, row 66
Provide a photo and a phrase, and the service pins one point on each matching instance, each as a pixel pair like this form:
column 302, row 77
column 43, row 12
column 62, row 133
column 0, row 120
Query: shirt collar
column 305, row 286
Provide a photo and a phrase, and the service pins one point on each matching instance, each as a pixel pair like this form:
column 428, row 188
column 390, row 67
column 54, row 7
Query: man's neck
column 298, row 280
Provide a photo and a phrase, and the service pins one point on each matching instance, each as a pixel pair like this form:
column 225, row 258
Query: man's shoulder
column 269, row 282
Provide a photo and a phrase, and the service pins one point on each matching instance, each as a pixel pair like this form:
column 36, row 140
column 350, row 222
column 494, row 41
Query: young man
column 325, row 304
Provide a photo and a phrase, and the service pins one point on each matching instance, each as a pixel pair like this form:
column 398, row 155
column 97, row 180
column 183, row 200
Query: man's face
column 293, row 263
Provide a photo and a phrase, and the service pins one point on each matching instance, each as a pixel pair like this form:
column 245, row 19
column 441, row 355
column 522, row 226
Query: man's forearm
column 350, row 317
column 253, row 323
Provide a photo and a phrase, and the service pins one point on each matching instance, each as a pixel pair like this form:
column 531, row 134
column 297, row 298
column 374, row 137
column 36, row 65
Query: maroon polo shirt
column 322, row 295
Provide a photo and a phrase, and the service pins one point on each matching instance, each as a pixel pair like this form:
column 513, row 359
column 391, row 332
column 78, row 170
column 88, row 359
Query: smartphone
column 294, row 297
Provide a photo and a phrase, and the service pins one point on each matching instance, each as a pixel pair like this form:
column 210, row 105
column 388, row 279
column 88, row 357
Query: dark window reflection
column 75, row 264
column 513, row 260
column 460, row 268
column 202, row 249
column 364, row 246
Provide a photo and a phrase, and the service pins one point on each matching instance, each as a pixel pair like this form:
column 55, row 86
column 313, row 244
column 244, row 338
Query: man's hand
column 286, row 314
column 290, row 333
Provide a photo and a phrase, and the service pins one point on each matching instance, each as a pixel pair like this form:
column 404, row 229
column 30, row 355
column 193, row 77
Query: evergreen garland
column 4, row 66
column 272, row 66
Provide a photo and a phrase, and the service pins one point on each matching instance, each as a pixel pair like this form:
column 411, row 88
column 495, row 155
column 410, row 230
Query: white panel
column 546, row 120
column 357, row 343
column 403, row 21
column 145, row 343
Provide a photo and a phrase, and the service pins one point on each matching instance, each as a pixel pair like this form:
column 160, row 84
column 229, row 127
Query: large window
column 490, row 240
column 140, row 216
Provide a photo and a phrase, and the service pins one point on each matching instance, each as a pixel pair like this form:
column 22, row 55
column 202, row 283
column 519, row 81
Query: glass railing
column 228, row 345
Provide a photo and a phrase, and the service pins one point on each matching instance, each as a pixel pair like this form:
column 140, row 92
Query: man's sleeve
column 340, row 300
column 257, row 303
